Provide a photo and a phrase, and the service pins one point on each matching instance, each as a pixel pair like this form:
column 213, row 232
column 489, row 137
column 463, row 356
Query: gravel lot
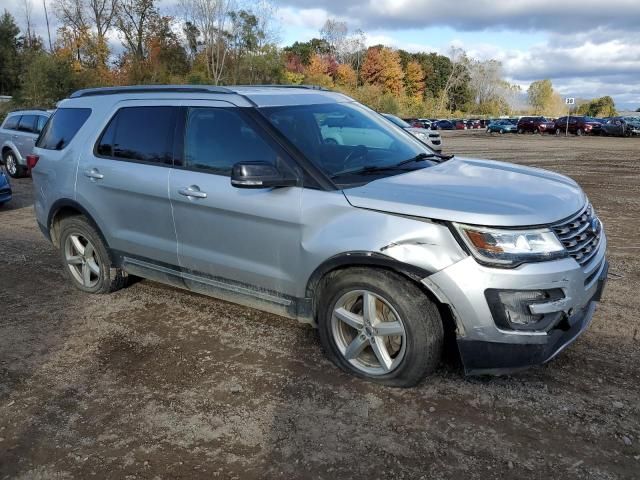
column 153, row 382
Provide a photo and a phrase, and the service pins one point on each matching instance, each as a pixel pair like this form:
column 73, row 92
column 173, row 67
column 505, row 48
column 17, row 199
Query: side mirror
column 260, row 175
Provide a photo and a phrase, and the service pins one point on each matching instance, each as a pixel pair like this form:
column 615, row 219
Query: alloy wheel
column 10, row 163
column 82, row 260
column 368, row 332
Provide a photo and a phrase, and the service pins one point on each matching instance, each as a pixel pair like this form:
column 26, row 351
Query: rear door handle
column 94, row 174
column 192, row 191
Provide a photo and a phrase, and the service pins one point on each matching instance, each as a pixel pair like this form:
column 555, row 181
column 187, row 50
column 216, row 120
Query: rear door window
column 11, row 123
column 62, row 127
column 142, row 134
column 27, row 123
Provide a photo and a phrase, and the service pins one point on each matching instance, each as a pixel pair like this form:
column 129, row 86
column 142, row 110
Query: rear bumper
column 493, row 358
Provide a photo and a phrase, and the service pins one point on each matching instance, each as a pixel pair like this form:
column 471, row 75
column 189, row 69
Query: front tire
column 379, row 326
column 86, row 261
column 11, row 165
column 579, row 132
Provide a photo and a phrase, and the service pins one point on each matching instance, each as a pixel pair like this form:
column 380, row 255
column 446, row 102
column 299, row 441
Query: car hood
column 480, row 192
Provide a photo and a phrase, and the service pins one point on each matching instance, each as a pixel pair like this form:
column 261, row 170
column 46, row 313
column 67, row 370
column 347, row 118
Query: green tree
column 540, row 95
column 9, row 59
column 46, row 78
column 305, row 50
column 599, row 107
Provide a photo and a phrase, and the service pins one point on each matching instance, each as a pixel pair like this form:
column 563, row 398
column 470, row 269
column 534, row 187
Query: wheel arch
column 65, row 208
column 375, row 260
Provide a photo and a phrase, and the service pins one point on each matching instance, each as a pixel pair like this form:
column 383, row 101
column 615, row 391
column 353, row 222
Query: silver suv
column 18, row 134
column 381, row 243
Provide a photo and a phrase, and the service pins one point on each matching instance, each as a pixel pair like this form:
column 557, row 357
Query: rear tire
column 398, row 345
column 86, row 261
column 11, row 165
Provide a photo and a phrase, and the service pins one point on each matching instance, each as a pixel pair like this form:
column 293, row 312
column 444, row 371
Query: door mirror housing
column 260, row 175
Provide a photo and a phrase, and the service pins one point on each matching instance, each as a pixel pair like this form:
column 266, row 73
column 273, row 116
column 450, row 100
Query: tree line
column 218, row 42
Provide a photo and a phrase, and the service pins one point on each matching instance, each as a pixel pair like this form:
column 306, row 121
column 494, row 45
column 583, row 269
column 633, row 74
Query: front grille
column 580, row 235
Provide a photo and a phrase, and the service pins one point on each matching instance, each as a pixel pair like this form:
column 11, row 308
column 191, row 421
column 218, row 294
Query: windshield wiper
column 425, row 156
column 368, row 169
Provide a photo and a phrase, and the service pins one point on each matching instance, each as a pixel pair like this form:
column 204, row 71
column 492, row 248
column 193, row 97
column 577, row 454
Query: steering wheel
column 358, row 152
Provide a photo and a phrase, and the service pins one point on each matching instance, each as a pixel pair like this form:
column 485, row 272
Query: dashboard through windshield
column 347, row 140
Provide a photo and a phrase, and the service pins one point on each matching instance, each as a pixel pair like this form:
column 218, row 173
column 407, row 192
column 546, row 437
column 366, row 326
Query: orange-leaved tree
column 382, row 67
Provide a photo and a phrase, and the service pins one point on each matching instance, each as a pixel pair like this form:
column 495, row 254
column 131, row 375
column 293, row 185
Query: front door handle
column 93, row 174
column 192, row 191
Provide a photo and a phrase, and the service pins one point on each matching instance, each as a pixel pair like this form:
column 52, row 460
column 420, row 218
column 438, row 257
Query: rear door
column 124, row 178
column 28, row 135
column 250, row 237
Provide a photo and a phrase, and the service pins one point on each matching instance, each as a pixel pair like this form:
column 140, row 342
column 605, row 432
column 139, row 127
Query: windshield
column 344, row 139
column 398, row 121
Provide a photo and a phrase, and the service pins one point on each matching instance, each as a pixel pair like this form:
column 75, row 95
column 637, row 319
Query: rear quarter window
column 11, row 123
column 62, row 127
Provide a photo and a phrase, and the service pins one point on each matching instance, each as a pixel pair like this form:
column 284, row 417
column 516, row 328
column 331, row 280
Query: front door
column 249, row 237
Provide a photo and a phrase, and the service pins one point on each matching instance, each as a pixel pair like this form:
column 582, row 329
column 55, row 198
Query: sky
column 588, row 48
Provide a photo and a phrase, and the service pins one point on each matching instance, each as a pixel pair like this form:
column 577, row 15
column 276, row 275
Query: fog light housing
column 510, row 308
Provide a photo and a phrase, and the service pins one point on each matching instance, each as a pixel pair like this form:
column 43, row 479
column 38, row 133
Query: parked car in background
column 417, row 122
column 502, row 126
column 537, row 124
column 443, row 125
column 5, row 188
column 18, row 135
column 234, row 192
column 621, row 126
column 429, row 137
column 473, row 124
column 578, row 125
column 459, row 124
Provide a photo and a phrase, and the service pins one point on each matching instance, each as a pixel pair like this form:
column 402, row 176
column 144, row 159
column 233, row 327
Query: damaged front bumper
column 488, row 345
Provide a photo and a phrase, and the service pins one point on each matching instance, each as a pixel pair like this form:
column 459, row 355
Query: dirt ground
column 153, row 382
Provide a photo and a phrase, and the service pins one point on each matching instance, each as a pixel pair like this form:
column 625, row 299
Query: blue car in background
column 502, row 126
column 5, row 188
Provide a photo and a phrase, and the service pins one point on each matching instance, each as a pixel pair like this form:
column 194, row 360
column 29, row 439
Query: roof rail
column 90, row 92
column 308, row 87
column 40, row 109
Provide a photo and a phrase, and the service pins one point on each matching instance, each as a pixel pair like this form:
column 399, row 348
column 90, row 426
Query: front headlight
column 509, row 248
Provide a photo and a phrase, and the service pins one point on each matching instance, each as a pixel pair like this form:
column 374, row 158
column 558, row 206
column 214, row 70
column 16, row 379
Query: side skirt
column 222, row 288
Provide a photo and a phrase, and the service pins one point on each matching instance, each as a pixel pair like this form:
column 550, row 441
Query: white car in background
column 430, row 137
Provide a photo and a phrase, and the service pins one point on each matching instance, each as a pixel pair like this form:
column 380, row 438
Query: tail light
column 32, row 160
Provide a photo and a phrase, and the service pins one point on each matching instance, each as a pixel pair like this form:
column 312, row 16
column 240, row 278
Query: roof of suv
column 258, row 96
column 33, row 111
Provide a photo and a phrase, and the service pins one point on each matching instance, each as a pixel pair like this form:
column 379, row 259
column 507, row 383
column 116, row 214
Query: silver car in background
column 431, row 138
column 18, row 134
column 245, row 194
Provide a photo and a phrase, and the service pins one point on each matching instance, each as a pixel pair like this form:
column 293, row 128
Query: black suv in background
column 534, row 125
